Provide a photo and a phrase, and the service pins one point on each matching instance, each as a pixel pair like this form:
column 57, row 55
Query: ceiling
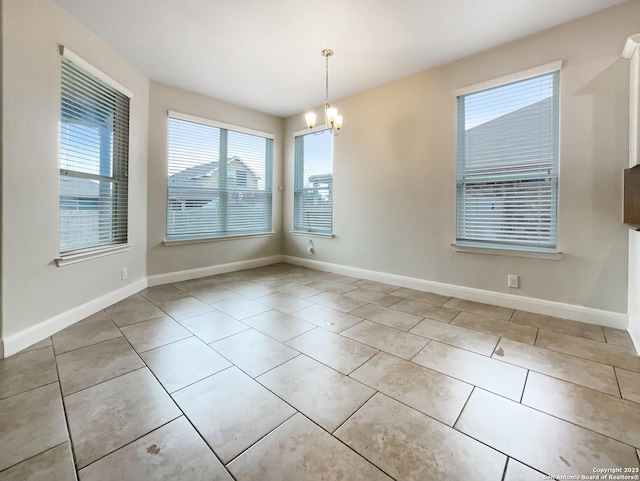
column 265, row 54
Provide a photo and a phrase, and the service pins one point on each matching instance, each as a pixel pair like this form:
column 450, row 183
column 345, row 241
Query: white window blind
column 313, row 183
column 507, row 166
column 94, row 153
column 219, row 182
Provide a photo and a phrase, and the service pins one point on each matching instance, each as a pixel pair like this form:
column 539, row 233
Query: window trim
column 293, row 231
column 89, row 253
column 482, row 247
column 229, row 127
column 81, row 62
column 510, row 78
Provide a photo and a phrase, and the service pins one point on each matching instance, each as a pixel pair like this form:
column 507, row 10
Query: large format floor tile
column 605, row 414
column 422, row 296
column 488, row 310
column 327, row 318
column 299, row 450
column 393, row 341
column 618, row 337
column 27, row 370
column 96, row 328
column 544, row 442
column 183, row 362
column 327, row 285
column 430, row 392
column 374, row 286
column 154, row 333
column 130, row 314
column 94, row 364
column 253, row 352
column 240, row 307
column 337, row 301
column 163, row 293
column 423, row 309
column 30, row 423
column 55, row 464
column 592, row 350
column 298, row 290
column 373, row 297
column 413, row 447
column 490, row 374
column 317, row 391
column 107, row 416
column 562, row 366
column 457, row 336
column 497, row 327
column 284, row 302
column 173, row 452
column 388, row 317
column 279, row 325
column 519, row 472
column 232, row 411
column 629, row 382
column 337, row 364
column 213, row 326
column 181, row 309
column 336, row 351
column 565, row 326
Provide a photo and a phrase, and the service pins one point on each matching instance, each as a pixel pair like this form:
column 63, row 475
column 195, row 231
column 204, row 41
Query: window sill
column 550, row 256
column 170, row 243
column 312, row 234
column 88, row 254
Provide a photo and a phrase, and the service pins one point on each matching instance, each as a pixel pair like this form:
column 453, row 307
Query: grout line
column 463, row 407
column 524, row 386
column 504, row 472
column 615, row 374
column 66, row 421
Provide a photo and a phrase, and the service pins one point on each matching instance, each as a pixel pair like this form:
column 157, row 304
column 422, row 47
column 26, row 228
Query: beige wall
column 395, row 166
column 162, row 259
column 33, row 288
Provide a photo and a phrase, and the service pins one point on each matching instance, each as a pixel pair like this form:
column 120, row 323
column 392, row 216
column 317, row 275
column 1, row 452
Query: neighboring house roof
column 79, row 187
column 511, row 137
column 205, row 170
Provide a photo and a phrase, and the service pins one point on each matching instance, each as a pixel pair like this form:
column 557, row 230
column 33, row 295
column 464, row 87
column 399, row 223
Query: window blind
column 94, row 153
column 507, row 166
column 219, row 182
column 313, row 183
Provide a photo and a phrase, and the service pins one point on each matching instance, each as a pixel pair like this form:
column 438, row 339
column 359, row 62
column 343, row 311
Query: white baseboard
column 634, row 331
column 550, row 308
column 211, row 270
column 23, row 339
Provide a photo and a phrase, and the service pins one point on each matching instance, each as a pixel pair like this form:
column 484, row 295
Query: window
column 219, row 180
column 507, row 167
column 313, row 183
column 94, row 158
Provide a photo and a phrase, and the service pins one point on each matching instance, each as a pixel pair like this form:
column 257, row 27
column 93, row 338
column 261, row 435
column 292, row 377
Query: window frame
column 483, row 246
column 118, row 163
column 329, row 233
column 269, row 181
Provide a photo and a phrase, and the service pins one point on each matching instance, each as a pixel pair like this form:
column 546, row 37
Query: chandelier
column 332, row 120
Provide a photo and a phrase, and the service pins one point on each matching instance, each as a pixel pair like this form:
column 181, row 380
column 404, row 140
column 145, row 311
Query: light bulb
column 331, row 114
column 311, row 119
column 338, row 122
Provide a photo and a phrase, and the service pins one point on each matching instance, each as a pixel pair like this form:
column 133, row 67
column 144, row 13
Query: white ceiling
column 265, row 54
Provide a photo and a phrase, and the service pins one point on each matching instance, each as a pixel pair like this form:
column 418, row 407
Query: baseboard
column 212, row 270
column 634, row 331
column 23, row 339
column 1, row 348
column 550, row 308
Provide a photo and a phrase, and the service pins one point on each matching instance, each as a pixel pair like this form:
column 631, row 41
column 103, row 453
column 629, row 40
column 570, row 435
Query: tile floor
column 286, row 373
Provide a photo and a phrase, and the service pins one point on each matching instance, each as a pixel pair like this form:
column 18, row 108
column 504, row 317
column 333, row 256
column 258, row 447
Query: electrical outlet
column 513, row 281
column 123, row 273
